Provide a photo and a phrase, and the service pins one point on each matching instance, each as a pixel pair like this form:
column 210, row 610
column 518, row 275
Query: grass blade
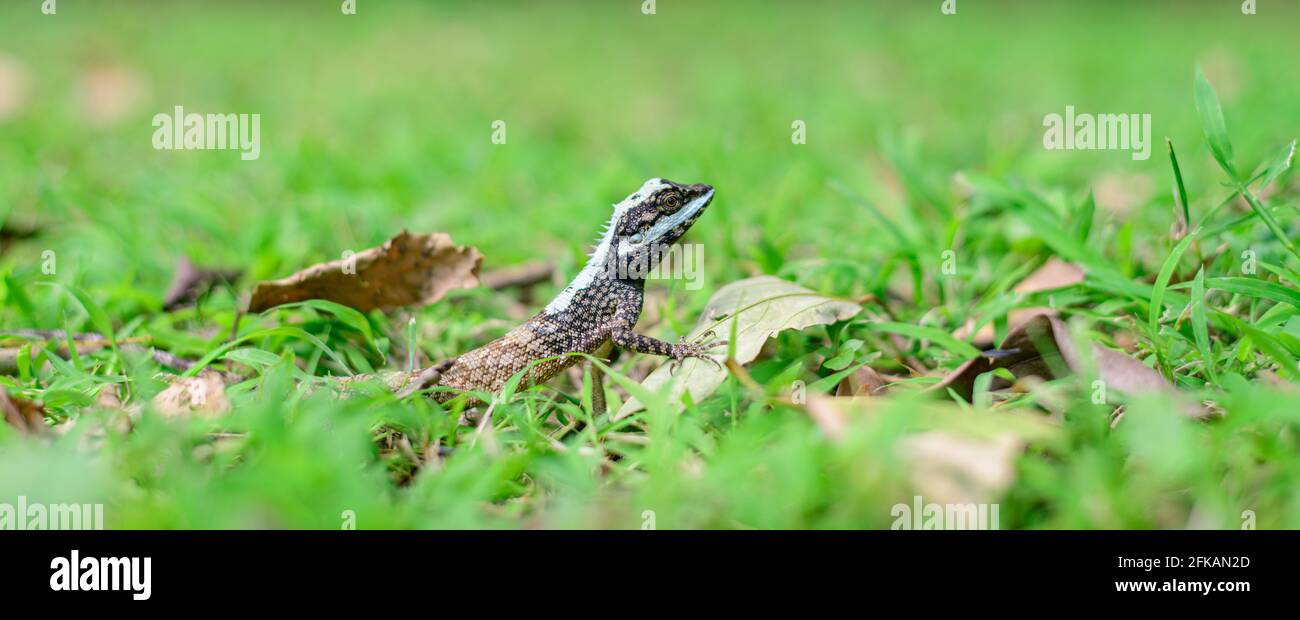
column 918, row 332
column 1269, row 346
column 1254, row 287
column 291, row 332
column 1182, row 189
column 1269, row 220
column 1162, row 282
column 1281, row 164
column 1082, row 225
column 348, row 316
column 1216, row 130
column 1200, row 326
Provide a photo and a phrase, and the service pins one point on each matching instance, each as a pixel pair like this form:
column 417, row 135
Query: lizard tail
column 425, row 378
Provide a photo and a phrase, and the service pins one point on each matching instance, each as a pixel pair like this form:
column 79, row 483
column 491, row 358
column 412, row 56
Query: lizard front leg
column 598, row 379
column 623, row 336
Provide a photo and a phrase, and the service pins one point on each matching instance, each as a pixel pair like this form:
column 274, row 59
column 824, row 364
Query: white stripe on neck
column 596, row 262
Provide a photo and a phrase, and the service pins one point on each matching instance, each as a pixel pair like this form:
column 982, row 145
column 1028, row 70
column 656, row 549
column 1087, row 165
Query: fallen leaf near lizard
column 761, row 307
column 408, row 270
column 25, row 415
column 204, row 395
column 1020, row 354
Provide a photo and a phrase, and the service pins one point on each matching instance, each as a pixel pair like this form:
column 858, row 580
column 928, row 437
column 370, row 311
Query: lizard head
column 657, row 215
column 643, row 227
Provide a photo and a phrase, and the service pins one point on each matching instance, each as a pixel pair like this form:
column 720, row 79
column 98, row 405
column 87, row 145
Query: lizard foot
column 698, row 349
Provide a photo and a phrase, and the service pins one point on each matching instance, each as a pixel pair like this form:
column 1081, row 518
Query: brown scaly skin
column 600, row 306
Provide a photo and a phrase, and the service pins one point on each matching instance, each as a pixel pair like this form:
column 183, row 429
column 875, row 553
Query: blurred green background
column 380, row 121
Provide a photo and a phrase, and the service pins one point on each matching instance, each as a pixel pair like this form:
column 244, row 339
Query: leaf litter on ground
column 407, row 270
column 745, row 313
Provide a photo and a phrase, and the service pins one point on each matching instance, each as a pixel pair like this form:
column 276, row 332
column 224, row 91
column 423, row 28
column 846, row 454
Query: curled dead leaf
column 1020, row 355
column 408, row 270
column 204, row 395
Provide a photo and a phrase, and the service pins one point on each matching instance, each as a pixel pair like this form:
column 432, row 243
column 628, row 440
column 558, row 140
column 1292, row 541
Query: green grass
column 924, row 136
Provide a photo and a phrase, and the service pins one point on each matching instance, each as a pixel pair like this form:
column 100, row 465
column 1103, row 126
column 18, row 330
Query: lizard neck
column 599, row 267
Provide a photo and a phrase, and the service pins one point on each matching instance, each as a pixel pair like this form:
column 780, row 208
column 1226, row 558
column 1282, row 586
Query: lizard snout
column 700, row 188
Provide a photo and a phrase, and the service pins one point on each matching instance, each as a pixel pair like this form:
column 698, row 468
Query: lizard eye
column 672, row 201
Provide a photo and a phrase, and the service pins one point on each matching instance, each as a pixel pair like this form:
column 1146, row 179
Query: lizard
column 599, row 307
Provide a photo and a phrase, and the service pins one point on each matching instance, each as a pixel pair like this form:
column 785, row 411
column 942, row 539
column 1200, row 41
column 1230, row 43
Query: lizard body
column 599, row 307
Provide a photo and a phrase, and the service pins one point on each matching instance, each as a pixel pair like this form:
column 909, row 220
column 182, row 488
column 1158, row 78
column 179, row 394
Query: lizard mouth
column 686, row 214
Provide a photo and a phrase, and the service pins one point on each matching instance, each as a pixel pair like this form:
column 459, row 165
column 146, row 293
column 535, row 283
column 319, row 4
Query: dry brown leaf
column 1019, row 353
column 1055, row 273
column 864, row 381
column 953, row 469
column 204, row 395
column 408, row 270
column 25, row 415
